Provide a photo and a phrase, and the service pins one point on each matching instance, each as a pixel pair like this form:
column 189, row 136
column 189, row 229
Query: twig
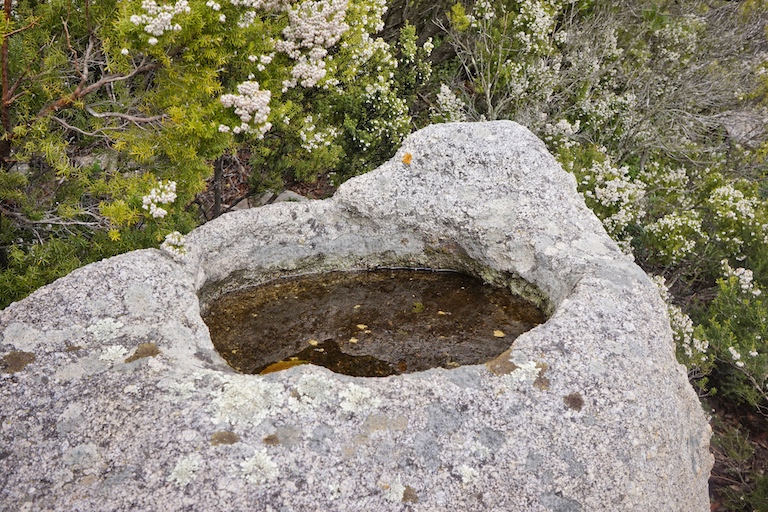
column 78, row 130
column 127, row 117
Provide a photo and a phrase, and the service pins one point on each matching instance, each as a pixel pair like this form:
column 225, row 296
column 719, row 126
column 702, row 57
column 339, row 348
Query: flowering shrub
column 737, row 329
column 636, row 100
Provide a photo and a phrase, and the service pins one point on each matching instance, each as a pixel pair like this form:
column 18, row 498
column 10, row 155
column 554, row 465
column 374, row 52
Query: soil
column 740, row 447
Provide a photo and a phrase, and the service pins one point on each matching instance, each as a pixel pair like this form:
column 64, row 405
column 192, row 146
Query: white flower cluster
column 449, row 107
column 174, row 243
column 730, row 203
column 679, row 41
column 159, row 18
column 483, row 11
column 367, row 48
column 744, row 275
column 736, row 357
column 678, row 233
column 681, row 324
column 252, row 106
column 313, row 26
column 213, row 5
column 535, row 25
column 311, row 139
column 369, row 15
column 614, row 189
column 562, row 132
column 246, row 19
column 164, row 193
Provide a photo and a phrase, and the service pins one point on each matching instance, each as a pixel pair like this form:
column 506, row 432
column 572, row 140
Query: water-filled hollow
column 368, row 323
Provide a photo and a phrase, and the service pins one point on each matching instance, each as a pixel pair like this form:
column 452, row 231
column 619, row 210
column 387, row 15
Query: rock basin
column 113, row 396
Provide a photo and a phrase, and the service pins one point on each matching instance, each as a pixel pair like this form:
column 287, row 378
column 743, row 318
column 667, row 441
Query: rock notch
column 113, row 397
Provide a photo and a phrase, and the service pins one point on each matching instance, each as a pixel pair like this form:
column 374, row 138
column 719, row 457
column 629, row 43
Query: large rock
column 113, row 397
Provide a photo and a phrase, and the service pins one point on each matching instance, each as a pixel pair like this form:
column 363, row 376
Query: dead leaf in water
column 499, row 334
column 353, row 340
column 362, row 327
column 282, row 365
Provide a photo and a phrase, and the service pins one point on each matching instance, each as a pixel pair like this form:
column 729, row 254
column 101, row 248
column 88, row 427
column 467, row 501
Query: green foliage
column 163, row 97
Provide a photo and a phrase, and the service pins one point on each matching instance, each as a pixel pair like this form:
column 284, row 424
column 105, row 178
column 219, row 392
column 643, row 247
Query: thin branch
column 78, row 130
column 22, row 29
column 127, row 117
column 56, row 221
column 79, row 93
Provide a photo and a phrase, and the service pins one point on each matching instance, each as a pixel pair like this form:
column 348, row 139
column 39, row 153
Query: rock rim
column 114, row 398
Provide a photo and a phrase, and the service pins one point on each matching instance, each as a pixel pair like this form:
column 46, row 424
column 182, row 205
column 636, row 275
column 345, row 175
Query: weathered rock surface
column 113, row 397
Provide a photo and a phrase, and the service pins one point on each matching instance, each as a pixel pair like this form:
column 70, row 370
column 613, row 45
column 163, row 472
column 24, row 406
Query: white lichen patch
column 468, row 474
column 113, row 353
column 105, row 329
column 246, row 400
column 185, row 470
column 394, row 492
column 525, row 372
column 259, row 469
column 314, row 389
column 180, row 391
column 355, row 398
column 131, row 389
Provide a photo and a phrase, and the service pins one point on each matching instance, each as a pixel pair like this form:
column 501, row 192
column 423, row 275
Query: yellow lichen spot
column 499, row 334
column 407, row 159
column 314, row 343
column 353, row 340
column 362, row 327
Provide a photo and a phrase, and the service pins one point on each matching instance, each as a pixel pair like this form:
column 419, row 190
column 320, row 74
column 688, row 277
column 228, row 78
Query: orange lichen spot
column 407, row 159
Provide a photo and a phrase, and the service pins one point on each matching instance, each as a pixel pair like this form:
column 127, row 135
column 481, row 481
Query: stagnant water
column 368, row 323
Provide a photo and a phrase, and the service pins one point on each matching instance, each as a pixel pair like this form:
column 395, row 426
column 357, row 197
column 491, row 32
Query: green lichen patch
column 574, row 401
column 224, row 437
column 144, row 350
column 16, row 361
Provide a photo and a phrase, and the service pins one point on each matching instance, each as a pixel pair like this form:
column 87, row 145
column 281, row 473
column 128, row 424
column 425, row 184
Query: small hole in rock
column 368, row 323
